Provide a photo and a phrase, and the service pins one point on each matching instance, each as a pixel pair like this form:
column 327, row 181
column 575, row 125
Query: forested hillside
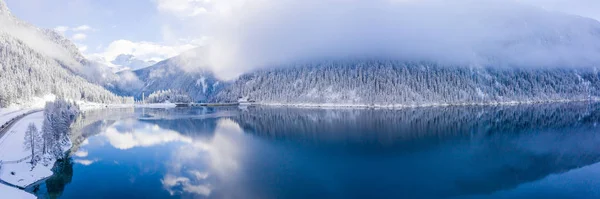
column 36, row 62
column 374, row 82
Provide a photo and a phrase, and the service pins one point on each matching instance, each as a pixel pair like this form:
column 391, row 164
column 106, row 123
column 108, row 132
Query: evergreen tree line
column 375, row 82
column 174, row 96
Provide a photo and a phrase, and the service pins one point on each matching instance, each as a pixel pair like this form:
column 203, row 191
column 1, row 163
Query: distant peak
column 124, row 56
column 3, row 8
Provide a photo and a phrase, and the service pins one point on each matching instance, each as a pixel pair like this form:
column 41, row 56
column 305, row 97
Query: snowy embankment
column 16, row 167
column 400, row 106
column 85, row 106
column 10, row 192
column 157, row 105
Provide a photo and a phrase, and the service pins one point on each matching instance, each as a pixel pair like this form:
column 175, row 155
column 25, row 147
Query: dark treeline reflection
column 54, row 186
column 390, row 125
column 422, row 152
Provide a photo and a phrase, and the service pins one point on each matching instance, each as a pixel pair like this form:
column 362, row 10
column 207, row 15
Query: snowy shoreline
column 402, row 106
column 86, row 106
column 19, row 166
column 20, row 173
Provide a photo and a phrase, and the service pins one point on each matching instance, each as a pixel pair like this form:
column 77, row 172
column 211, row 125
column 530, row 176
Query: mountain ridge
column 185, row 73
column 35, row 62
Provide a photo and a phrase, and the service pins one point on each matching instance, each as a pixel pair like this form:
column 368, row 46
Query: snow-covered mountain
column 182, row 73
column 35, row 62
column 130, row 62
column 491, row 54
column 377, row 82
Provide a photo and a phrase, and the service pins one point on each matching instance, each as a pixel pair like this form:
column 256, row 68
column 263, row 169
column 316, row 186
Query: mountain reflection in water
column 278, row 152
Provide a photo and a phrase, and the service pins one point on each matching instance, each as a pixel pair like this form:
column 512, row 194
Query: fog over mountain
column 185, row 73
column 248, row 35
column 387, row 53
column 380, row 52
column 130, row 62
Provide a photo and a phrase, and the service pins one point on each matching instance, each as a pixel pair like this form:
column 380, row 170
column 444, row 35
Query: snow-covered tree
column 174, row 96
column 32, row 142
column 58, row 117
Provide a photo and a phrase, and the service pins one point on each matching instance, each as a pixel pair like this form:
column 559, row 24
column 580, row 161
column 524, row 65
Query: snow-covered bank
column 16, row 168
column 401, row 106
column 86, row 106
column 157, row 105
column 14, row 193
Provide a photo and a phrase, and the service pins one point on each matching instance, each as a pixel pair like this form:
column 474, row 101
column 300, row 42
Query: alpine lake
column 263, row 152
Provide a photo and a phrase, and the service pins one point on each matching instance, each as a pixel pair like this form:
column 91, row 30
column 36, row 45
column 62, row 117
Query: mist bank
column 385, row 53
column 251, row 35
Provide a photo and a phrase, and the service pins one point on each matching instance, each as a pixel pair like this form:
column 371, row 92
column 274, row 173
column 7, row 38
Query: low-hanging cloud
column 247, row 35
column 36, row 39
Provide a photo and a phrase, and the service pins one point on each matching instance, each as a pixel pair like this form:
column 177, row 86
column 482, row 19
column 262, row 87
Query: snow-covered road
column 13, row 118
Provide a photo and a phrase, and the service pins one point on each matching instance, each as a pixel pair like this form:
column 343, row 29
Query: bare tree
column 32, row 142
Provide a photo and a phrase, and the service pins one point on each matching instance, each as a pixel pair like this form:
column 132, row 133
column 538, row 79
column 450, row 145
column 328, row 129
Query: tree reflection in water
column 55, row 185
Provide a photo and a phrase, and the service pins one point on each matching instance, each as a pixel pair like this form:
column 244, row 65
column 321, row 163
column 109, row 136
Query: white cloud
column 249, row 34
column 37, row 41
column 170, row 182
column 82, row 48
column 146, row 51
column 81, row 153
column 64, row 29
column 61, row 29
column 183, row 8
column 143, row 135
column 79, row 37
column 82, row 28
column 219, row 155
column 585, row 8
column 84, row 162
column 255, row 34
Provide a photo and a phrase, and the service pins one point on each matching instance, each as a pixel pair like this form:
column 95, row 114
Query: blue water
column 529, row 151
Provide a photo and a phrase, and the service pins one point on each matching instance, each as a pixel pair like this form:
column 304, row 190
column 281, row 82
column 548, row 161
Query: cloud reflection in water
column 211, row 159
column 127, row 135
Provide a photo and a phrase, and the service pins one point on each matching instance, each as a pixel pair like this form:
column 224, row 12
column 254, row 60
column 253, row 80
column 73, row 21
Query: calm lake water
column 528, row 151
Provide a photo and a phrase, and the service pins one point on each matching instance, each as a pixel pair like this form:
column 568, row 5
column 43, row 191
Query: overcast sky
column 158, row 29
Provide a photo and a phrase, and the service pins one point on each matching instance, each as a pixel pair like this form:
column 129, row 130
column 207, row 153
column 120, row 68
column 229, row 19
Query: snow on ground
column 401, row 106
column 15, row 110
column 159, row 105
column 14, row 193
column 11, row 148
column 85, row 106
column 34, row 103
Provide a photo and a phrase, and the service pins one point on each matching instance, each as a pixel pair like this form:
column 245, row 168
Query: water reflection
column 266, row 152
column 56, row 184
column 429, row 152
column 215, row 159
column 130, row 133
